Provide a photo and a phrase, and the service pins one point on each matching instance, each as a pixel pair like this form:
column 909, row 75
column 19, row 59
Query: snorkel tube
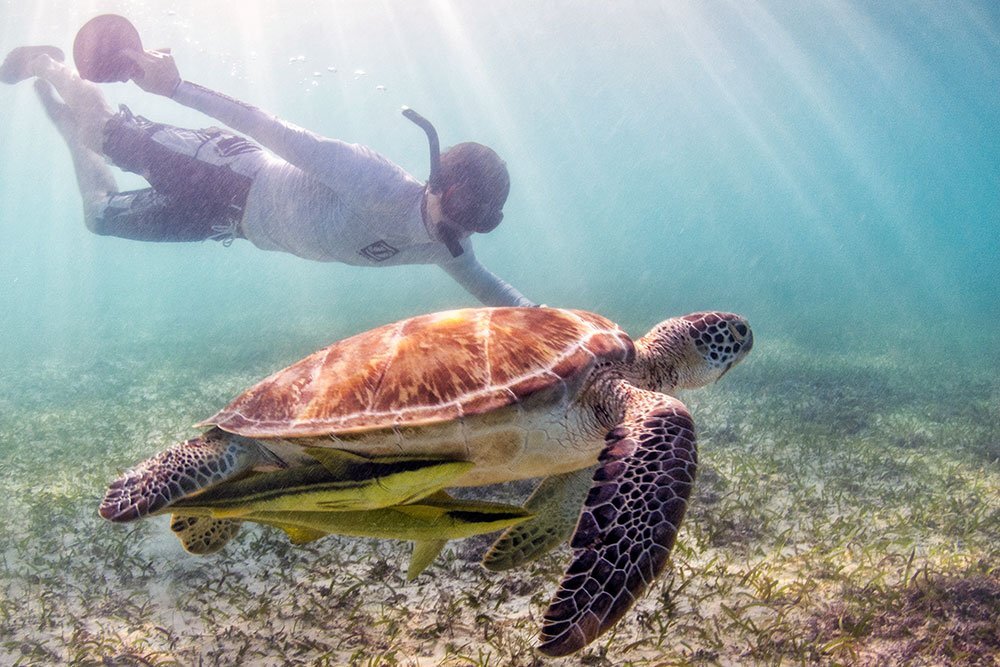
column 446, row 233
column 434, row 180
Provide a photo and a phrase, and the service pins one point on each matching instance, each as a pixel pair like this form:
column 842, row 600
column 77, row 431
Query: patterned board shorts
column 199, row 178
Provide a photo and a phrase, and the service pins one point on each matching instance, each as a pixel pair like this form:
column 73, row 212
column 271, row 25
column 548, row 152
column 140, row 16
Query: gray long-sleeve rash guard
column 330, row 201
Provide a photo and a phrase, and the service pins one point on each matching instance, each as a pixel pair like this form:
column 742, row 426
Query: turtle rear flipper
column 629, row 521
column 182, row 470
column 203, row 535
column 556, row 503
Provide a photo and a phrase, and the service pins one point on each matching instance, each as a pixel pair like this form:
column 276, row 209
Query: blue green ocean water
column 831, row 170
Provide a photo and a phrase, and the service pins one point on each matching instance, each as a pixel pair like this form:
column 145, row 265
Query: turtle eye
column 739, row 330
column 742, row 336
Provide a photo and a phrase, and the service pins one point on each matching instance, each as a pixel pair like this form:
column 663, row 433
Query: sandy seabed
column 847, row 511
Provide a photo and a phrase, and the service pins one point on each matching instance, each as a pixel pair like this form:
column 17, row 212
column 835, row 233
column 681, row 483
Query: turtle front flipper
column 629, row 521
column 203, row 535
column 180, row 471
column 556, row 503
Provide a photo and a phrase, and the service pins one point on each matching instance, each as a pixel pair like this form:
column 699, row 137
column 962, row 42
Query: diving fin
column 99, row 45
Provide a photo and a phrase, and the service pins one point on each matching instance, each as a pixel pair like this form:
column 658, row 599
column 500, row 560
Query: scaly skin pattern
column 203, row 535
column 556, row 502
column 172, row 474
column 629, row 520
column 690, row 351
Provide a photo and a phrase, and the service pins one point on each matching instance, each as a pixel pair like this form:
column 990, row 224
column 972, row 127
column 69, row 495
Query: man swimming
column 312, row 196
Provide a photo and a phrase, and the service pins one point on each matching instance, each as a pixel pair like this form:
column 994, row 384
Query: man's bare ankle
column 42, row 64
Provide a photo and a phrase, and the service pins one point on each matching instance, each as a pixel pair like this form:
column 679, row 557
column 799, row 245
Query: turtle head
column 693, row 350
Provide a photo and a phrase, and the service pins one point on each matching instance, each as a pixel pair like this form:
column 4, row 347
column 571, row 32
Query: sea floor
column 847, row 511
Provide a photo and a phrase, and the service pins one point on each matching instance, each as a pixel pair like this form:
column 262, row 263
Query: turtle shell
column 427, row 369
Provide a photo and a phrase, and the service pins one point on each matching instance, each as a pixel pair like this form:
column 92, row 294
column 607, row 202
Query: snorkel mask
column 484, row 215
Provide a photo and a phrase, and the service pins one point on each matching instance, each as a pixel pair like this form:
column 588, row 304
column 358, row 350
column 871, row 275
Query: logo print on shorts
column 232, row 146
column 378, row 251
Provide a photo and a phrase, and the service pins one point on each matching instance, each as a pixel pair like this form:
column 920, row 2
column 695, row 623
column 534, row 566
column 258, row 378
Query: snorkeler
column 312, row 196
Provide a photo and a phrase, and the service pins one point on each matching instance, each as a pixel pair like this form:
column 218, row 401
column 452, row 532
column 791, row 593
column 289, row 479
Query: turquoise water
column 831, row 170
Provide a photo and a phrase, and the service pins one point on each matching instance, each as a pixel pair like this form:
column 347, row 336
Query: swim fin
column 97, row 49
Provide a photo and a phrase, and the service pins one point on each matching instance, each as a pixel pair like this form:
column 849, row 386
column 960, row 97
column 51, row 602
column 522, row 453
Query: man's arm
column 335, row 163
column 160, row 76
column 483, row 284
column 306, row 150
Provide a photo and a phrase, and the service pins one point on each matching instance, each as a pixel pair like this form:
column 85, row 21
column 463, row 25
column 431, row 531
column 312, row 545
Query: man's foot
column 17, row 65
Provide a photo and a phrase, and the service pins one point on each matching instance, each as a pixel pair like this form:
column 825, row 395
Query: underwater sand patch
column 795, row 513
column 937, row 619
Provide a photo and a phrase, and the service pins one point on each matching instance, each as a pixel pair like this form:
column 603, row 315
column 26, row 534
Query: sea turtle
column 515, row 392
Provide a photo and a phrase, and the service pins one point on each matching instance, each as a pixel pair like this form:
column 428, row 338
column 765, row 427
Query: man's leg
column 93, row 176
column 200, row 178
column 140, row 215
column 90, row 110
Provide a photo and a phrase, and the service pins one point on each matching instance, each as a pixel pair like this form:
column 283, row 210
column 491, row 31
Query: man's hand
column 158, row 71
